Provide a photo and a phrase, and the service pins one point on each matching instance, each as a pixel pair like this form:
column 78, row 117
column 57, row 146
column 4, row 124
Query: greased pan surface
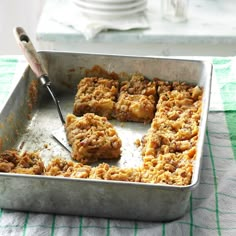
column 30, row 115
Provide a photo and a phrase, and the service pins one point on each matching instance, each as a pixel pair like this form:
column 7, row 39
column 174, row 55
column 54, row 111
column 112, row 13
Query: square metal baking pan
column 29, row 117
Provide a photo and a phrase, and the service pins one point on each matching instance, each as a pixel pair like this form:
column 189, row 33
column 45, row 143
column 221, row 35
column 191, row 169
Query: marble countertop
column 209, row 21
column 211, row 25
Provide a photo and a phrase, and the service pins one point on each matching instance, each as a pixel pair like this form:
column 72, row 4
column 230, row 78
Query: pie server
column 33, row 58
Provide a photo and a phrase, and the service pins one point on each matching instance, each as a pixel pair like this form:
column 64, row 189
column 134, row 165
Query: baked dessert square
column 169, row 147
column 92, row 137
column 96, row 95
column 137, row 100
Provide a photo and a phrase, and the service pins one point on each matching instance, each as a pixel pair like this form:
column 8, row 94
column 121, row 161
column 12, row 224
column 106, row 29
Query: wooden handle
column 29, row 51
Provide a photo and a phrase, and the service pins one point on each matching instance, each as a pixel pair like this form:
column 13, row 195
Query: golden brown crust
column 92, row 137
column 138, row 85
column 65, row 168
column 26, row 163
column 99, row 172
column 59, row 167
column 123, row 174
column 96, row 95
column 137, row 108
column 137, row 100
column 169, row 168
column 106, row 172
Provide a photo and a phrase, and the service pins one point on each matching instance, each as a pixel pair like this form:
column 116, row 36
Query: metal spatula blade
column 60, row 136
column 39, row 70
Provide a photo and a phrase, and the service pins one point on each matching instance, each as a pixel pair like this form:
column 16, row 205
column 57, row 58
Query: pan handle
column 29, row 52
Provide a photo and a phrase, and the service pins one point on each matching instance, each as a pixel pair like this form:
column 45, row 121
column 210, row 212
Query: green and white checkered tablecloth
column 212, row 206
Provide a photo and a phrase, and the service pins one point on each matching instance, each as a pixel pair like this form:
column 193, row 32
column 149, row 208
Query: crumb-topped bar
column 92, row 137
column 136, row 100
column 169, row 147
column 96, row 95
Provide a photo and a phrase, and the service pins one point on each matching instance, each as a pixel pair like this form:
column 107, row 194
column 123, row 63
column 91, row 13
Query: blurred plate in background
column 109, row 6
column 110, row 9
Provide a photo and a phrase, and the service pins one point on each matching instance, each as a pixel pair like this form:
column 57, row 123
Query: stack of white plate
column 110, row 8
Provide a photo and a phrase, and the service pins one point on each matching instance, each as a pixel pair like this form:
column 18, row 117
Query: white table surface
column 210, row 31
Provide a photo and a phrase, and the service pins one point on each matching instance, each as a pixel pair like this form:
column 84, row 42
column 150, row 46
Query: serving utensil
column 35, row 63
